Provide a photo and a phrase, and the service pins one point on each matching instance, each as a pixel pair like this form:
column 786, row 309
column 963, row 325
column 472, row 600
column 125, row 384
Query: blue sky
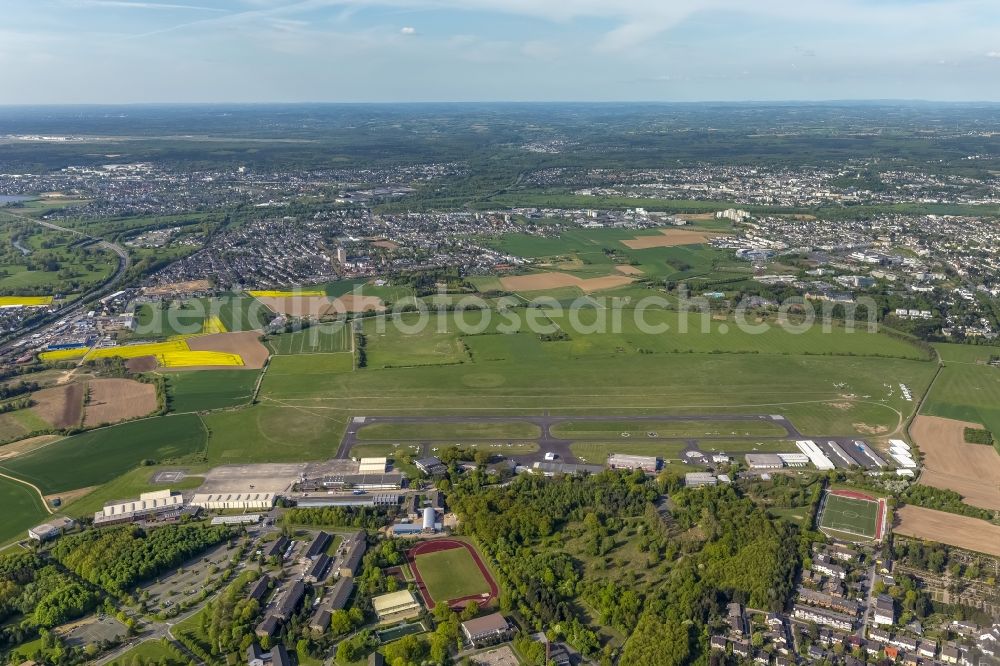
column 120, row 51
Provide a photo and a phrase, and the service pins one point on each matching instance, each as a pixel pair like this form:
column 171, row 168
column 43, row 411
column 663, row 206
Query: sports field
column 452, row 572
column 98, row 456
column 852, row 516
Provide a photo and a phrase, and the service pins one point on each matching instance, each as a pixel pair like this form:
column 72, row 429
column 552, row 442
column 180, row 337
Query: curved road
column 124, row 262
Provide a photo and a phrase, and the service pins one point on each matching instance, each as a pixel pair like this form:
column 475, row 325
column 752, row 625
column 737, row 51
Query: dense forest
column 35, row 594
column 718, row 546
column 119, row 558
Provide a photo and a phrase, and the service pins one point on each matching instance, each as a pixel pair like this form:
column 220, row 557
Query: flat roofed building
column 626, row 461
column 764, row 461
column 823, row 617
column 147, row 502
column 487, row 630
column 816, row 455
column 50, row 530
column 372, row 465
column 379, row 480
column 699, row 479
column 245, row 519
column 233, row 500
column 794, row 459
column 556, row 468
column 395, row 605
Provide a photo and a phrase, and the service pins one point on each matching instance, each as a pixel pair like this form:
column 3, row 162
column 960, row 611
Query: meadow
column 595, row 252
column 823, row 395
column 152, row 652
column 693, row 429
column 316, row 339
column 98, row 456
column 23, row 509
column 273, row 432
column 203, row 390
column 966, row 392
column 445, row 431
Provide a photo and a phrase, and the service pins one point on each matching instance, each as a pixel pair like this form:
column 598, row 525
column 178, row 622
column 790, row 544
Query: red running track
column 436, row 546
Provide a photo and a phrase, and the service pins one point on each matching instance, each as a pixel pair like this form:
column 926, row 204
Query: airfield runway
column 548, row 443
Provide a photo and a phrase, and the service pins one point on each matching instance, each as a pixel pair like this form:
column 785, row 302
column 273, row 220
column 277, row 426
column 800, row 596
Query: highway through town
column 124, row 262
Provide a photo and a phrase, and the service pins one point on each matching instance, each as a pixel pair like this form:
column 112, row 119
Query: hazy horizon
column 403, row 51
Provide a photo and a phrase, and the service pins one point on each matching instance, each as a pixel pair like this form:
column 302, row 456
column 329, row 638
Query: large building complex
column 234, row 500
column 395, row 605
column 647, row 464
column 148, row 505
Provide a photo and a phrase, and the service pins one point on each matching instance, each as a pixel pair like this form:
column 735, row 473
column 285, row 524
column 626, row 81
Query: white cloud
column 125, row 4
column 408, row 30
column 993, row 54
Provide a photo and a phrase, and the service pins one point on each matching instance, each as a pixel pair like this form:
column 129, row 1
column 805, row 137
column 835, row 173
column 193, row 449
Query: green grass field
column 445, row 431
column 972, row 354
column 317, row 339
column 200, row 390
column 305, row 373
column 967, row 392
column 595, row 453
column 22, row 509
column 641, row 429
column 451, row 574
column 158, row 652
column 237, row 312
column 273, row 432
column 127, row 486
column 393, row 347
column 850, row 516
column 98, row 456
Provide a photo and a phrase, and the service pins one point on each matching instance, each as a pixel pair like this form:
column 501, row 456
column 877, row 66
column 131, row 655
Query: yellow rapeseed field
column 63, row 354
column 144, row 349
column 213, row 325
column 285, row 294
column 180, row 359
column 24, row 301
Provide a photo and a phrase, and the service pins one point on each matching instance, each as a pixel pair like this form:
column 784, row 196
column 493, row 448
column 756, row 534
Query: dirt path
column 33, row 487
